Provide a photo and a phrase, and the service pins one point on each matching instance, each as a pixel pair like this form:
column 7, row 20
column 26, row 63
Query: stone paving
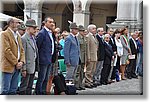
column 124, row 87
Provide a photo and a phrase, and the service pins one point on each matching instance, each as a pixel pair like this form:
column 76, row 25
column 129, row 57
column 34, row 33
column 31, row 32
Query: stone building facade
column 103, row 13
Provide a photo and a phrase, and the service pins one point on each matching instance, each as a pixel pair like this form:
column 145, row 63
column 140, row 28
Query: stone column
column 127, row 14
column 80, row 14
column 126, row 10
column 33, row 10
column 1, row 7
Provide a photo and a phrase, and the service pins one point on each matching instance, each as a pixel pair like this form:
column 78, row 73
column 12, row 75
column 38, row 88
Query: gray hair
column 100, row 29
column 91, row 26
column 9, row 21
column 106, row 35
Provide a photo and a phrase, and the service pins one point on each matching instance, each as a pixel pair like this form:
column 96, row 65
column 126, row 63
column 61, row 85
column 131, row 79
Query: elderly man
column 107, row 60
column 71, row 53
column 31, row 53
column 21, row 29
column 132, row 65
column 92, row 46
column 100, row 55
column 13, row 57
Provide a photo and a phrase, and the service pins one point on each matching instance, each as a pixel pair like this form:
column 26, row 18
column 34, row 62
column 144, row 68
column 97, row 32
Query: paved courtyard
column 124, row 87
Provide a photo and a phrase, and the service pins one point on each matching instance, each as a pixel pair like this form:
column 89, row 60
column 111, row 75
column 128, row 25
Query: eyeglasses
column 100, row 31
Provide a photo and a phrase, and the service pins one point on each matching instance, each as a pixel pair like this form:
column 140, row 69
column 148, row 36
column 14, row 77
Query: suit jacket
column 125, row 45
column 71, row 51
column 44, row 45
column 133, row 48
column 92, row 46
column 9, row 56
column 113, row 44
column 30, row 51
column 83, row 44
column 108, row 54
column 101, row 49
column 54, row 56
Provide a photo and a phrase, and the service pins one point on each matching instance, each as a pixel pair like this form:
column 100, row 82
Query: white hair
column 106, row 35
column 100, row 29
column 133, row 34
column 91, row 26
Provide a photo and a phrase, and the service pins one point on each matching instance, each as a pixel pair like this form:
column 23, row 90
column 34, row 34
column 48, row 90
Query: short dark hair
column 46, row 19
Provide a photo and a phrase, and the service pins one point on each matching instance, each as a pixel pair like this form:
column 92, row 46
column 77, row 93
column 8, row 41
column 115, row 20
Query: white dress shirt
column 15, row 34
column 51, row 37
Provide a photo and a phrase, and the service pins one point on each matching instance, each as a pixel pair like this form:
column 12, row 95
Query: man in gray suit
column 71, row 53
column 31, row 53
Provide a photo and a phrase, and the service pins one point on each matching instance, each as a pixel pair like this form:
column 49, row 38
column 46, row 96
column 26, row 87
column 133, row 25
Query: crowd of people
column 92, row 56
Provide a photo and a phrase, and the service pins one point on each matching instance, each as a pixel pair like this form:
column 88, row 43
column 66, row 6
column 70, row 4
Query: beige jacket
column 9, row 50
column 92, row 47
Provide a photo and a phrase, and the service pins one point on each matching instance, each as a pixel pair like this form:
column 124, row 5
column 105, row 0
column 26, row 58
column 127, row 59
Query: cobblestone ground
column 124, row 87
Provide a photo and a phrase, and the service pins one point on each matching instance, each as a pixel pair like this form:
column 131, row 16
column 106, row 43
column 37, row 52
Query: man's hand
column 19, row 65
column 88, row 61
column 115, row 53
column 24, row 72
column 113, row 57
column 68, row 65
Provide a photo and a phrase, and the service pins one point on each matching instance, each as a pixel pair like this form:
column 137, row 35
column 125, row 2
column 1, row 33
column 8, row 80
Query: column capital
column 30, row 4
column 82, row 12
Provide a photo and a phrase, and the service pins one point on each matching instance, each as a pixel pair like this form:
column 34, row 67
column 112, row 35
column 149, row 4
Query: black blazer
column 54, row 56
column 133, row 48
column 101, row 49
column 113, row 44
column 44, row 45
column 108, row 54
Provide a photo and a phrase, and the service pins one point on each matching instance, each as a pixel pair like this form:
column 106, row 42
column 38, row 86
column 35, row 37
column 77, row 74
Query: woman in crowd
column 126, row 51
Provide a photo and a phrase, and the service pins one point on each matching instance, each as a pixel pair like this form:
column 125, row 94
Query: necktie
column 76, row 40
column 33, row 42
column 109, row 46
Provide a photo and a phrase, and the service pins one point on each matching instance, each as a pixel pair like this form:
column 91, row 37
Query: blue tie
column 76, row 40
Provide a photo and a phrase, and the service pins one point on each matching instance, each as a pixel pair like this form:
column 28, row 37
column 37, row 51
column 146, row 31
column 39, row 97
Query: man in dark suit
column 107, row 60
column 132, row 65
column 100, row 55
column 45, row 44
column 114, row 48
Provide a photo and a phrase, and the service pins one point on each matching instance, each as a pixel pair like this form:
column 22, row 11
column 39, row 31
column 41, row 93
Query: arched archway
column 14, row 8
column 61, row 12
column 102, row 12
column 67, row 15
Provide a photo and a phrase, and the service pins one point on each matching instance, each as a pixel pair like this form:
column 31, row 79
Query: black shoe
column 22, row 93
column 76, row 93
column 129, row 77
column 104, row 83
column 99, row 84
column 78, row 88
column 135, row 76
column 94, row 85
column 88, row 86
column 82, row 88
